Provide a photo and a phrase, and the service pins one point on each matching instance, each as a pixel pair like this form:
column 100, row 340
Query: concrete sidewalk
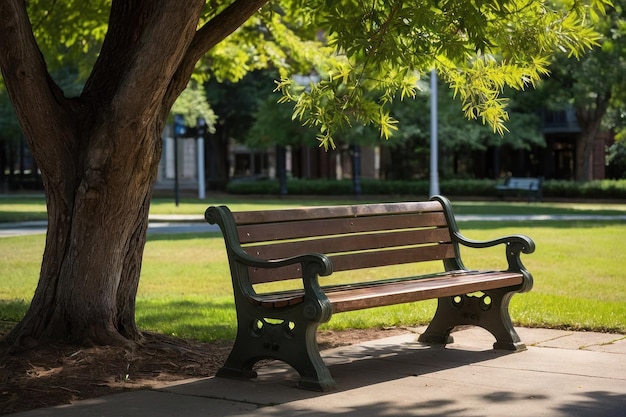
column 562, row 373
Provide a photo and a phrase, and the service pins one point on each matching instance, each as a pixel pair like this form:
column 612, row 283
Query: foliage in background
column 10, row 128
column 192, row 104
column 457, row 137
column 273, row 125
column 477, row 48
column 236, row 103
column 593, row 85
column 234, row 60
column 616, row 160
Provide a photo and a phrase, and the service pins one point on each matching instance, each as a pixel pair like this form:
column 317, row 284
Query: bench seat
column 349, row 297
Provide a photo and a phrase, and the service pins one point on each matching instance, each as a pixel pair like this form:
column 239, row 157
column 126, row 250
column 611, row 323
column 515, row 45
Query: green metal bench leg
column 304, row 355
column 487, row 309
column 287, row 341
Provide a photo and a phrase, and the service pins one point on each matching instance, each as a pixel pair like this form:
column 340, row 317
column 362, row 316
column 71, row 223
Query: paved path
column 562, row 374
column 196, row 224
column 175, row 224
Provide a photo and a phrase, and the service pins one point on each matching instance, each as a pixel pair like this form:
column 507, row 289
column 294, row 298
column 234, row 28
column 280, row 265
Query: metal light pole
column 201, row 131
column 179, row 130
column 434, row 168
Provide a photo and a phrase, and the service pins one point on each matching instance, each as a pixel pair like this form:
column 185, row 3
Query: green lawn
column 25, row 208
column 185, row 287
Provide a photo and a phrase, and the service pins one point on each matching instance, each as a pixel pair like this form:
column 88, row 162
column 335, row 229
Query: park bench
column 312, row 245
column 530, row 186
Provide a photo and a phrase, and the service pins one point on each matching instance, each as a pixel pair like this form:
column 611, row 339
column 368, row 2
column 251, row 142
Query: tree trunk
column 92, row 261
column 589, row 117
column 584, row 155
column 99, row 155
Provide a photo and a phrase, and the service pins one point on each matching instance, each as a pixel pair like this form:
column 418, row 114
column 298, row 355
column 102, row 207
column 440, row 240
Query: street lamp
column 434, row 167
column 179, row 130
column 201, row 129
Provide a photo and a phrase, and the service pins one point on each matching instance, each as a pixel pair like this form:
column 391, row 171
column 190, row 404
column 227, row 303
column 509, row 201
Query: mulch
column 62, row 374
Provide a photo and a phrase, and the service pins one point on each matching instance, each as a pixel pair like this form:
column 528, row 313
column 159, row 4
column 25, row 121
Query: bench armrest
column 317, row 306
column 515, row 246
column 313, row 265
column 522, row 243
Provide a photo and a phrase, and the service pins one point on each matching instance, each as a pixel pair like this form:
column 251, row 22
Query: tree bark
column 98, row 154
column 589, row 117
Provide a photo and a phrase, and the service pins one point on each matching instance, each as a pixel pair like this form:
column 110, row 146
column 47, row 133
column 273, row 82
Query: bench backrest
column 354, row 237
column 523, row 183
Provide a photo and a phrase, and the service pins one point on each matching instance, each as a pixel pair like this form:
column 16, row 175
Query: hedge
column 601, row 189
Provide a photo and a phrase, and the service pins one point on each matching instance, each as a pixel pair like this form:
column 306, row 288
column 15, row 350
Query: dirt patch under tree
column 61, row 374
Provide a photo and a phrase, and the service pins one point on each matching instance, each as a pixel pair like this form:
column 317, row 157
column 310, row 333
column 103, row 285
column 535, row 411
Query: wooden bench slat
column 263, row 275
column 392, row 257
column 329, row 212
column 361, row 260
column 350, row 243
column 323, row 227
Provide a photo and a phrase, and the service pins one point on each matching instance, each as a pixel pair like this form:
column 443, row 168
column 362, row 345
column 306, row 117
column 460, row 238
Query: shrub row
column 604, row 189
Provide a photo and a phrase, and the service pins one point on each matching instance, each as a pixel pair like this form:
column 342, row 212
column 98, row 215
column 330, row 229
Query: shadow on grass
column 13, row 310
column 204, row 320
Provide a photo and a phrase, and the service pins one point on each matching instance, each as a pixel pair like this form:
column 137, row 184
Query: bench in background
column 530, row 186
column 310, row 246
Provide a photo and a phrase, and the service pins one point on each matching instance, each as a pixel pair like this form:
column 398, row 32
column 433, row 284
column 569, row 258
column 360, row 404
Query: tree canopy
column 365, row 54
column 98, row 149
column 478, row 48
column 593, row 86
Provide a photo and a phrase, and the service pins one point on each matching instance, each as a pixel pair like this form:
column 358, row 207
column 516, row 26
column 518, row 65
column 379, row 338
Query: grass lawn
column 25, row 208
column 185, row 288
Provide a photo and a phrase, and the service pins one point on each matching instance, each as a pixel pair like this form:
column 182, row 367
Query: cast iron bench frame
column 278, row 245
column 532, row 186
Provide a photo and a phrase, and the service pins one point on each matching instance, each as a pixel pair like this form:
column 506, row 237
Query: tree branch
column 39, row 103
column 209, row 35
column 222, row 25
column 143, row 49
